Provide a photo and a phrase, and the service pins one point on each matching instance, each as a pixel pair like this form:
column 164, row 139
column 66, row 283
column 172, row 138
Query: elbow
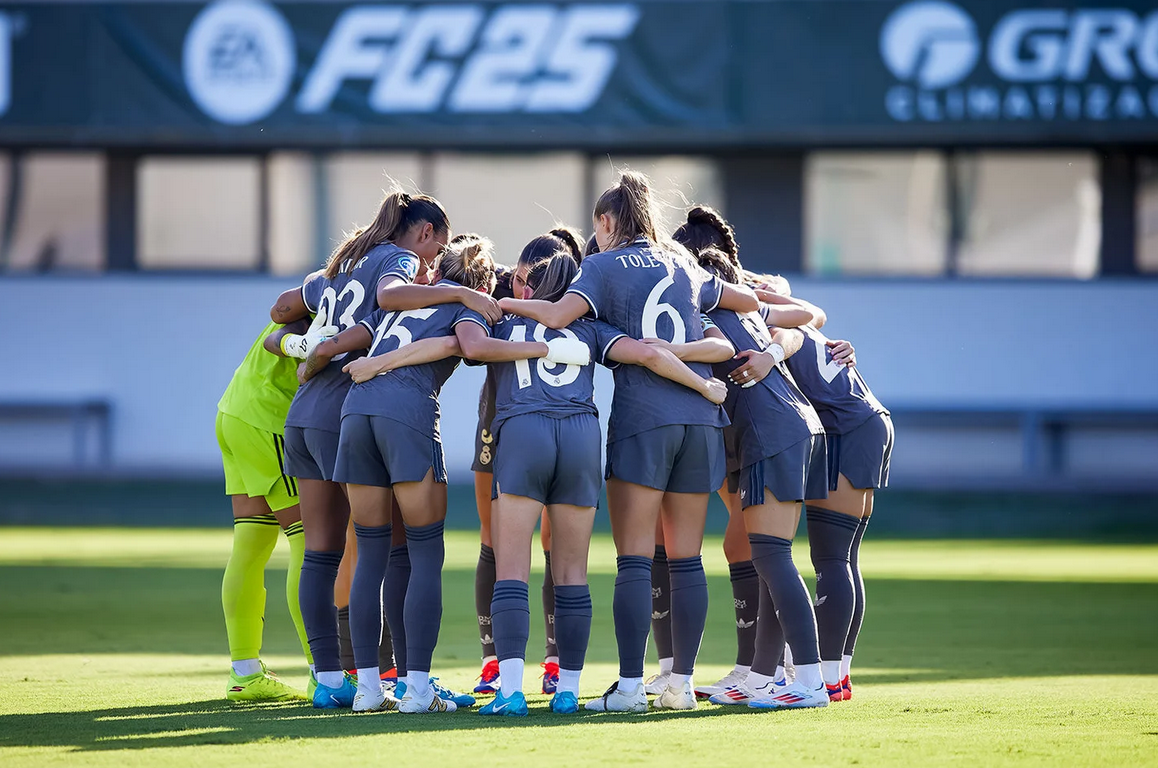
column 280, row 315
column 651, row 357
column 555, row 321
column 722, row 353
column 471, row 349
column 745, row 301
column 386, row 300
column 819, row 318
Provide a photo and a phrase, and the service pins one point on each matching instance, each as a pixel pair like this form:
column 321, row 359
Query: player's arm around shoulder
column 713, row 348
column 663, row 362
column 476, row 344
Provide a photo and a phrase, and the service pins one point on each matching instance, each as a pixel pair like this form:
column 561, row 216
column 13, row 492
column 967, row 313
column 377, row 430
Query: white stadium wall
column 160, row 350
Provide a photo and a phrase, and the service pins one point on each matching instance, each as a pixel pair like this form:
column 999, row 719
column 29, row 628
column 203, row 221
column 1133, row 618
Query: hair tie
column 406, row 198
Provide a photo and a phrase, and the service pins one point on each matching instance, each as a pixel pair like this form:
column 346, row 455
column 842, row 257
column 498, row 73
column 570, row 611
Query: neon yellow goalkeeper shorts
column 254, row 463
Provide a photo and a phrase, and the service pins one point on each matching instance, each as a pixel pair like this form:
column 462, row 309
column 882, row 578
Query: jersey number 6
column 652, row 310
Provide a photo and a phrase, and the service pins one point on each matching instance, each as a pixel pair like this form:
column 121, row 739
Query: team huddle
column 724, row 383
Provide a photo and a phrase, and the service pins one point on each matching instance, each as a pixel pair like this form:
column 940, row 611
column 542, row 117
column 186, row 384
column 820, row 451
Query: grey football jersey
column 839, row 394
column 409, row 395
column 348, row 298
column 648, row 292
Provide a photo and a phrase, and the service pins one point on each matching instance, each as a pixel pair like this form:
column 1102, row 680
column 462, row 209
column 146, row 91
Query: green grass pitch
column 973, row 653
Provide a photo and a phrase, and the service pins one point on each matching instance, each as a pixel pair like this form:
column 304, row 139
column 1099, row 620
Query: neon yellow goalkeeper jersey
column 262, row 387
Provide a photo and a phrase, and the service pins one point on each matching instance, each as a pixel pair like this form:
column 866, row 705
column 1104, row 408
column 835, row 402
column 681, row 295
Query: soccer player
column 705, row 228
column 664, row 445
column 860, row 442
column 407, row 234
column 781, row 447
column 389, row 449
column 510, row 284
column 548, row 432
column 250, row 426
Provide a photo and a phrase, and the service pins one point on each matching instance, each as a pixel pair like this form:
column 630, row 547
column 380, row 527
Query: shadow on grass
column 219, row 722
column 938, row 629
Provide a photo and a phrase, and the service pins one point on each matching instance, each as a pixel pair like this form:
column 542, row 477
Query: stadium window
column 1031, row 214
column 678, row 181
column 199, row 213
column 875, row 213
column 292, row 213
column 1146, row 211
column 59, row 211
column 511, row 198
column 353, row 185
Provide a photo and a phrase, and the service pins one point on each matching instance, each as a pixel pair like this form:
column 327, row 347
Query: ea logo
column 238, row 60
column 933, row 42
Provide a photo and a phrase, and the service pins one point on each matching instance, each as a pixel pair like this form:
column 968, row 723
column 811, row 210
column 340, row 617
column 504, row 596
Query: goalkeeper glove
column 300, row 346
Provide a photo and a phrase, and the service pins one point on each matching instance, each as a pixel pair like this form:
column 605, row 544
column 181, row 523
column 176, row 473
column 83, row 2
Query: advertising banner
column 643, row 75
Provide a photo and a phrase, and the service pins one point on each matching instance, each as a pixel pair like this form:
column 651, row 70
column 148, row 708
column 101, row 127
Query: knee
column 569, row 574
column 737, row 549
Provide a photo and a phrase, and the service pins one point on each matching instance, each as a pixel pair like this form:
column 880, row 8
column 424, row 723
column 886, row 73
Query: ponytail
column 560, row 239
column 630, row 203
column 571, row 239
column 706, row 228
column 551, row 277
column 717, row 262
column 398, row 212
column 469, row 261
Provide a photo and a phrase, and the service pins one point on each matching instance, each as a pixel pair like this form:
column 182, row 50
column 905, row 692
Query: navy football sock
column 689, row 611
column 484, row 588
column 319, row 614
column 830, row 536
column 386, row 647
column 548, row 594
column 572, row 624
column 661, row 604
column 345, row 645
column 746, row 601
column 394, row 599
column 769, row 635
column 366, row 592
column 511, row 619
column 629, row 608
column 423, row 612
column 858, row 588
column 772, row 557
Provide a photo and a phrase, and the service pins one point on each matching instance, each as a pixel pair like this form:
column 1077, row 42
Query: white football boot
column 378, row 700
column 735, row 677
column 615, row 700
column 794, row 696
column 657, row 684
column 430, row 704
column 673, row 697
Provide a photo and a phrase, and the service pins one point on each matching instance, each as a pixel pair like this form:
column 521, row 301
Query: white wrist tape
column 568, row 352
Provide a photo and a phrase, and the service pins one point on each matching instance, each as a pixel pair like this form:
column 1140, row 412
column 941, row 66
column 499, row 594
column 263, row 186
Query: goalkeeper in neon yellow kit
column 250, row 425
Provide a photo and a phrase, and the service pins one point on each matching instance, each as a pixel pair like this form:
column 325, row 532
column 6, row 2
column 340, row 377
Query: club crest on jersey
column 409, row 265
